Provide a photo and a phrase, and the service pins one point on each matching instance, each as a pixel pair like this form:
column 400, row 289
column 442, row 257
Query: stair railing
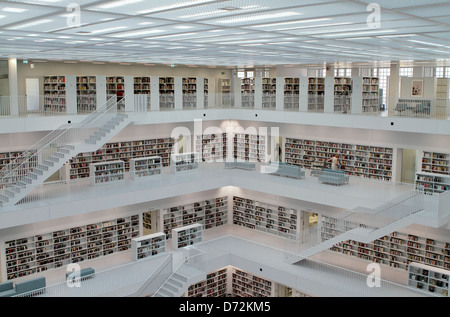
column 47, row 146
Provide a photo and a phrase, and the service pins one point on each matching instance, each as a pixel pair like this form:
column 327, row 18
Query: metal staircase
column 179, row 281
column 362, row 227
column 48, row 155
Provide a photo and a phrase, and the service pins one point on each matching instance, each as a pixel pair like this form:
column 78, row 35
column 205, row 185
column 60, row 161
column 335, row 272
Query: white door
column 32, row 93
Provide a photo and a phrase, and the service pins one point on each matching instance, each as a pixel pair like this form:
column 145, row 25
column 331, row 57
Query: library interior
column 224, row 148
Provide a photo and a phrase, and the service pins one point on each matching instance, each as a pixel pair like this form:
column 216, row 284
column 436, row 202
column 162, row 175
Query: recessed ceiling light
column 26, row 25
column 183, row 27
column 138, row 33
column 260, row 17
column 173, row 6
column 14, row 10
column 118, row 3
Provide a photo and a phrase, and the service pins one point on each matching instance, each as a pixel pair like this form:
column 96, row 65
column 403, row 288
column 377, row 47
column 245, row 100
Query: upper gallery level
column 367, row 98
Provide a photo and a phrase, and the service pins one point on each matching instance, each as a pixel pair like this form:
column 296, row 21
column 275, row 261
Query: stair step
column 59, row 154
column 27, row 180
column 95, row 137
column 14, row 189
column 48, row 163
column 68, row 146
column 100, row 134
column 42, row 167
column 166, row 293
column 10, row 193
column 64, row 150
column 53, row 159
column 90, row 141
column 104, row 130
column 4, row 199
column 172, row 287
column 33, row 175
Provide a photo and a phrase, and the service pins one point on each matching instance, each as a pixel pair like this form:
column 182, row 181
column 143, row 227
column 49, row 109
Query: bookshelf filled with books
column 205, row 93
column 249, row 147
column 371, row 94
column 187, row 235
column 433, row 183
column 291, row 93
column 46, row 251
column 269, row 93
column 316, row 94
column 107, row 172
column 55, row 93
column 185, row 162
column 189, row 87
column 438, row 163
column 148, row 246
column 210, row 213
column 342, row 94
column 429, row 279
column 115, row 86
column 212, row 146
column 245, row 284
column 224, row 88
column 10, row 161
column 142, row 91
column 144, row 167
column 86, row 93
column 248, row 92
column 124, row 151
column 215, row 285
column 277, row 220
column 396, row 250
column 166, row 92
column 365, row 161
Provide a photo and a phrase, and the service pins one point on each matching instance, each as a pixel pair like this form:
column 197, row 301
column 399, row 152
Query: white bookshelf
column 189, row 88
column 107, row 172
column 115, row 86
column 342, row 94
column 371, row 94
column 433, row 183
column 49, row 250
column 291, row 93
column 248, row 92
column 249, row 147
column 434, row 162
column 144, row 167
column 187, row 235
column 148, row 246
column 186, row 162
column 316, row 94
column 245, row 284
column 167, row 92
column 365, row 161
column 396, row 250
column 429, row 279
column 211, row 213
column 277, row 220
column 269, row 93
column 224, row 89
column 86, row 93
column 212, row 146
column 215, row 285
column 124, row 151
column 142, row 91
column 55, row 93
column 205, row 93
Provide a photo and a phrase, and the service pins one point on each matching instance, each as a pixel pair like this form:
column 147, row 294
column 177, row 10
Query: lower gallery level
column 244, row 234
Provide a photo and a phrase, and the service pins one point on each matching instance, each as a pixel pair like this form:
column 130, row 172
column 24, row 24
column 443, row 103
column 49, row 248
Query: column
column 357, row 94
column 303, row 102
column 393, row 86
column 329, row 95
column 129, row 93
column 258, row 93
column 280, row 94
column 101, row 90
column 154, row 98
column 200, row 92
column 178, row 98
column 13, row 86
column 71, row 94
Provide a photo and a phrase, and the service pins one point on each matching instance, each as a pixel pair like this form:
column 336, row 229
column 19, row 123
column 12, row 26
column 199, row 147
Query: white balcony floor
column 82, row 196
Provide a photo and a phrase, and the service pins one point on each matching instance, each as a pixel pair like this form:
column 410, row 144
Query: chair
column 400, row 107
column 419, row 108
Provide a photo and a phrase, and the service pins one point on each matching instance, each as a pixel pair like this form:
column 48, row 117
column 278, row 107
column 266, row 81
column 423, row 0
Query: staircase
column 179, row 281
column 47, row 156
column 364, row 228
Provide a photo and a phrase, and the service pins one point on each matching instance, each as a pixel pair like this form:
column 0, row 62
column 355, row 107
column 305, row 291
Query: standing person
column 334, row 162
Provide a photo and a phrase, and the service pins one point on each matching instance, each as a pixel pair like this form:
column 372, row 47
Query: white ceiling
column 225, row 32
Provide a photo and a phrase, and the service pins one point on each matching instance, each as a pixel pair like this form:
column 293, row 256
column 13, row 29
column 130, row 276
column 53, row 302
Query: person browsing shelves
column 334, row 162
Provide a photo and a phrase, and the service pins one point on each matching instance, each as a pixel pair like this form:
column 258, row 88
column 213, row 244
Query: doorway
column 32, row 93
column 408, row 166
